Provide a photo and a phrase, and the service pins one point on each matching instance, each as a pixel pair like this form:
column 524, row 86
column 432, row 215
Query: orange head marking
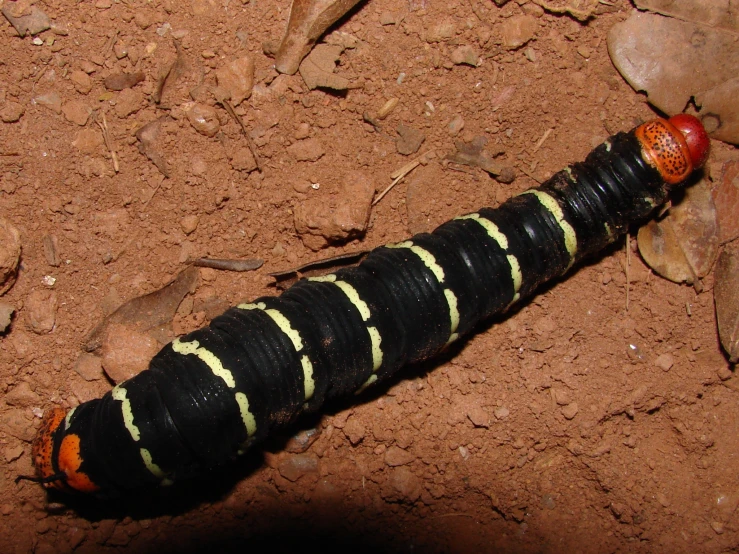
column 68, row 457
column 666, row 149
column 43, row 445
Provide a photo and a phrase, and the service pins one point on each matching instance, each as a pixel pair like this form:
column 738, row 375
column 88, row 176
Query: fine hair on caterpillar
column 210, row 395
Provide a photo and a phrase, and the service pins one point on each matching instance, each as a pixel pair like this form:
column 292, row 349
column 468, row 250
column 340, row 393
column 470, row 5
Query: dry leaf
column 473, row 153
column 120, row 81
column 714, row 13
column 148, row 138
column 146, row 312
column 674, row 61
column 309, row 19
column 26, row 19
column 726, row 297
column 317, row 70
column 682, row 247
column 726, row 198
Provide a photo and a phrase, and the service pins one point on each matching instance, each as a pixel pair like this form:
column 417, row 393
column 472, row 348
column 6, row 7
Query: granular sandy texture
column 573, row 425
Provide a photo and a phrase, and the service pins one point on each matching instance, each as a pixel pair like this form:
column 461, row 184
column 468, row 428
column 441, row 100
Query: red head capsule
column 695, row 135
column 674, row 147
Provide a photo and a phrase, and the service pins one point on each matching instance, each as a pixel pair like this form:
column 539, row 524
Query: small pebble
column 203, row 118
column 409, row 140
column 41, row 307
column 570, row 410
column 189, row 223
column 308, row 150
column 296, row 466
column 11, row 112
column 354, row 431
column 502, row 412
column 665, row 361
column 395, row 456
column 465, row 54
column 76, row 112
column 724, row 373
column 456, row 125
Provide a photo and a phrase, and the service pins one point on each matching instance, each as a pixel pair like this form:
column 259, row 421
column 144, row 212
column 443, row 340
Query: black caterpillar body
column 213, row 393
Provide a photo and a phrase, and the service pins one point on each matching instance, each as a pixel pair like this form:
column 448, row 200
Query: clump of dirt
column 576, row 424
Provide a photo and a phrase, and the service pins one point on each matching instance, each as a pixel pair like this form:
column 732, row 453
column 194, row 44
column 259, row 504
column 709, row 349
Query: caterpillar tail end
column 58, row 465
column 675, row 147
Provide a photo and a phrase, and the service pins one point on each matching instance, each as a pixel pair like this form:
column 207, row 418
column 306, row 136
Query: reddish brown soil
column 583, row 440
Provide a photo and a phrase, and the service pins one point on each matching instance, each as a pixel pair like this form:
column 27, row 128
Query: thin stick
column 250, row 143
column 108, row 142
column 398, row 174
column 543, row 138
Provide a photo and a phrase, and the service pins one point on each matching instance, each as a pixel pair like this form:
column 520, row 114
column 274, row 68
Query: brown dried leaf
column 726, row 297
column 147, row 312
column 309, row 19
column 120, row 81
column 683, row 246
column 674, row 61
column 726, row 198
column 317, row 69
column 148, row 138
column 26, row 19
column 714, row 13
column 473, row 153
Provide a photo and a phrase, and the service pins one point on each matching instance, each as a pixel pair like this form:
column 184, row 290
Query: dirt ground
column 576, row 424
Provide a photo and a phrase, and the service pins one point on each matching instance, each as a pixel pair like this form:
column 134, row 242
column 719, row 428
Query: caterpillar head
column 57, row 457
column 675, row 146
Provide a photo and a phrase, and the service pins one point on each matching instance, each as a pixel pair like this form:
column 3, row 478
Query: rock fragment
column 465, row 54
column 89, row 367
column 81, row 81
column 307, row 150
column 22, row 396
column 120, row 81
column 396, row 456
column 6, row 310
column 41, row 306
column 518, row 30
column 25, row 18
column 320, row 223
column 50, row 100
column 10, row 252
column 570, row 410
column 236, row 79
column 403, row 486
column 294, row 467
column 409, row 140
column 203, row 118
column 354, row 431
column 129, row 101
column 11, row 112
column 76, row 112
column 126, row 352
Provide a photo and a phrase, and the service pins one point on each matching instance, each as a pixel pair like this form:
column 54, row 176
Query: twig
column 398, row 175
column 252, row 147
column 543, row 138
column 110, row 44
column 229, row 265
column 108, row 142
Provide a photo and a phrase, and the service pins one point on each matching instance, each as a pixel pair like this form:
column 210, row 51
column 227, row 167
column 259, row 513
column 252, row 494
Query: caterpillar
column 210, row 395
